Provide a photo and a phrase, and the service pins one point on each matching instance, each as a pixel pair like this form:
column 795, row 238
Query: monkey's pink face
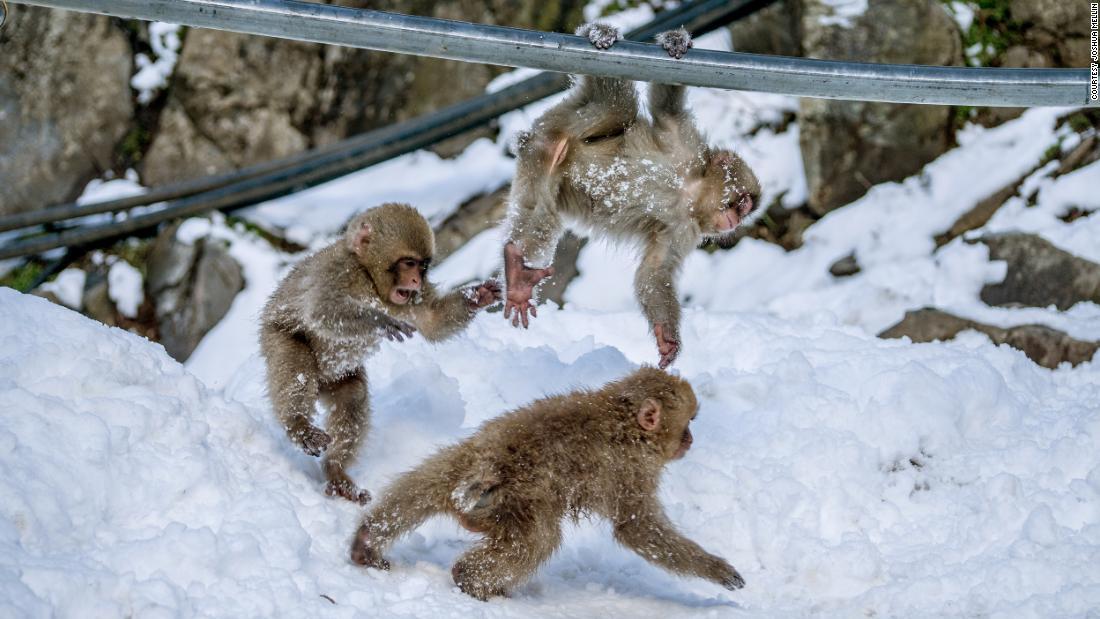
column 732, row 193
column 732, row 213
column 685, row 444
column 408, row 275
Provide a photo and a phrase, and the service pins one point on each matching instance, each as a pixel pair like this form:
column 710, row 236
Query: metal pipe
column 425, row 36
column 699, row 16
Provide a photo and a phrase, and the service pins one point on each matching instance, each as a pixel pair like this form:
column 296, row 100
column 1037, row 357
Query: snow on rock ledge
column 842, row 474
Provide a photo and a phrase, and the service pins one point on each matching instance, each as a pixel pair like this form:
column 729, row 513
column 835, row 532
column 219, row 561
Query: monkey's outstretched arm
column 642, row 526
column 441, row 317
column 338, row 315
column 533, row 222
column 655, row 289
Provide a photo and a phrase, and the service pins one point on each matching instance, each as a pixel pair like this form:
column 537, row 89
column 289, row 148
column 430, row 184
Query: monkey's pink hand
column 484, row 295
column 518, row 301
column 668, row 344
column 521, row 286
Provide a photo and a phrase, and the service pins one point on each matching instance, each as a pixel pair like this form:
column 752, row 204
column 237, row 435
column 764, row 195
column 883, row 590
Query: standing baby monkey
column 333, row 309
column 655, row 181
column 588, row 452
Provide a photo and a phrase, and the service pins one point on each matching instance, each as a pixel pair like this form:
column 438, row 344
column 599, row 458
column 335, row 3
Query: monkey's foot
column 473, row 586
column 602, row 36
column 339, row 484
column 734, row 582
column 313, row 440
column 675, row 42
column 668, row 345
column 364, row 555
column 723, row 573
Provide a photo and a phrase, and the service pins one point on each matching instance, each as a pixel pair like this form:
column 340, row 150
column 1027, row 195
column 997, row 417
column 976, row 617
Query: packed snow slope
column 841, row 474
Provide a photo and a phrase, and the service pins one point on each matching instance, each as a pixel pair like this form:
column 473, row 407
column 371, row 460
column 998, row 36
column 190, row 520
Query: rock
column 847, row 147
column 1020, row 57
column 1085, row 153
column 50, row 296
column 97, row 299
column 1046, row 34
column 1055, row 29
column 236, row 99
column 1043, row 345
column 772, row 30
column 65, row 103
column 1039, row 274
column 983, row 211
column 193, row 286
column 845, row 267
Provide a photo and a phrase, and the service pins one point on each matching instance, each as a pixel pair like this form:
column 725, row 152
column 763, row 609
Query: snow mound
column 840, row 473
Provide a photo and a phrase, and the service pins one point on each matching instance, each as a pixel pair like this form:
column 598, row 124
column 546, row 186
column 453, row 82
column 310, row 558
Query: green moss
column 134, row 251
column 1079, row 123
column 21, row 277
column 993, row 29
column 1050, row 154
column 133, row 146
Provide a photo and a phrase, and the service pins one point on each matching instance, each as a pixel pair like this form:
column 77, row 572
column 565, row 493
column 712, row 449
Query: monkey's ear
column 649, row 415
column 356, row 239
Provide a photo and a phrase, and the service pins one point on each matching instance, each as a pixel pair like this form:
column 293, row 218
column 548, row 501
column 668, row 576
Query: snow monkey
column 333, row 309
column 588, row 452
column 654, row 181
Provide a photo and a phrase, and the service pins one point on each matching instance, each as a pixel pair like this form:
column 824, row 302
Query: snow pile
column 125, row 287
column 153, row 73
column 68, row 287
column 840, row 473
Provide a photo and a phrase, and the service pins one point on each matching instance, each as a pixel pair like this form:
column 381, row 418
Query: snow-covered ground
column 842, row 474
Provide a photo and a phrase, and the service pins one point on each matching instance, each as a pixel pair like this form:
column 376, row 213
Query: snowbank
column 840, row 473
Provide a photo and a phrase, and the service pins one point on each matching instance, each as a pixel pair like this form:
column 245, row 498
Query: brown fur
column 592, row 158
column 588, row 452
column 330, row 312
